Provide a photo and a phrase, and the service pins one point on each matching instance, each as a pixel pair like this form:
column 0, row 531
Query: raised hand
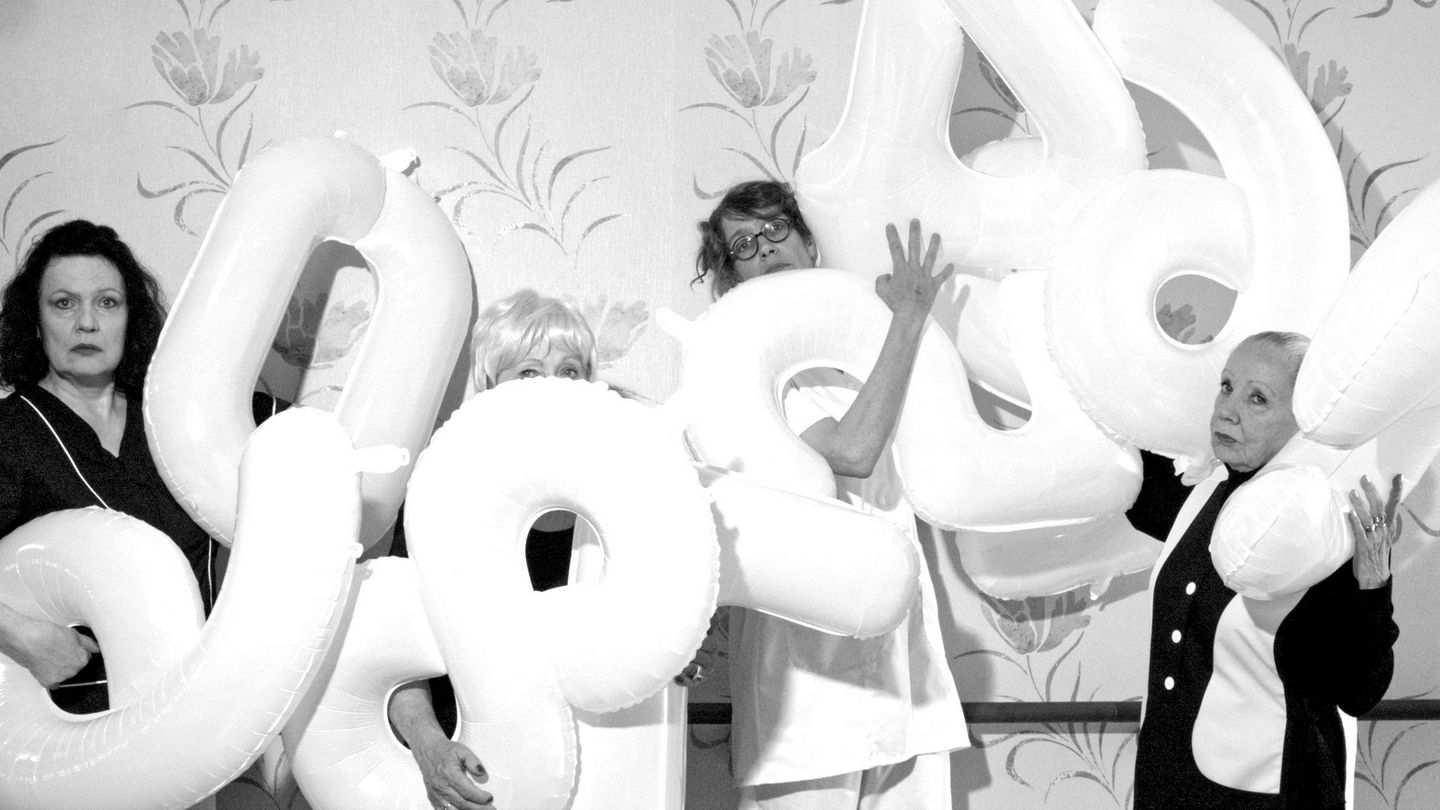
column 1376, row 526
column 910, row 287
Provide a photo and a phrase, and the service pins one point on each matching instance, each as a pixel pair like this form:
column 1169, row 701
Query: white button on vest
column 1175, row 636
column 1169, row 683
column 1190, row 589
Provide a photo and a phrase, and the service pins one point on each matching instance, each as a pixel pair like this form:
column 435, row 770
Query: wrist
column 909, row 321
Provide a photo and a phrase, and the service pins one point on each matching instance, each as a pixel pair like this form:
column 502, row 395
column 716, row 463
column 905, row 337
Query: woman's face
column 83, row 315
column 791, row 253
column 1253, row 419
column 545, row 360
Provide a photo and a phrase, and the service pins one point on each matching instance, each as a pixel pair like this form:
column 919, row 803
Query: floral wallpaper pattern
column 1326, row 83
column 581, row 170
column 1043, row 634
column 492, row 84
column 762, row 96
column 210, row 96
column 16, row 227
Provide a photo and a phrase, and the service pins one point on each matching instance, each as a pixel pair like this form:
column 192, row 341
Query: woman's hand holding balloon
column 52, row 653
column 1376, row 526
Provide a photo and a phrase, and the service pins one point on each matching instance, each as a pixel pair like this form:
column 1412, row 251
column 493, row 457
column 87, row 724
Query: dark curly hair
column 756, row 199
column 22, row 353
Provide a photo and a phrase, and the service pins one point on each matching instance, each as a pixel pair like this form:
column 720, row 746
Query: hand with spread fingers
column 911, row 285
column 1376, row 525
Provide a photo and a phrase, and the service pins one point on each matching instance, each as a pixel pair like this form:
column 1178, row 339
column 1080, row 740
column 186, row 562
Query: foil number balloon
column 286, row 201
column 216, row 695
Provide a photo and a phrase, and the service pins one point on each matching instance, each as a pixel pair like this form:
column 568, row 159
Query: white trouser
column 919, row 783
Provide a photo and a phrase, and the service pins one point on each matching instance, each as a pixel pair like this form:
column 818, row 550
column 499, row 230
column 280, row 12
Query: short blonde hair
column 518, row 324
column 1291, row 345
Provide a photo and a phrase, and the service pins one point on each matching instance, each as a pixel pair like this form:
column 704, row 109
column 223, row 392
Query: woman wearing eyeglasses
column 822, row 721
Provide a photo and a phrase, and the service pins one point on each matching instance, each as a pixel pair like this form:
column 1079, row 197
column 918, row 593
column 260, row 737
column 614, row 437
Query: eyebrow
column 102, row 291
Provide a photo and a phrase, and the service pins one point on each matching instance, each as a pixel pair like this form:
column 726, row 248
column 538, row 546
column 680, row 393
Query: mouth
column 777, row 267
column 86, row 348
column 1221, row 438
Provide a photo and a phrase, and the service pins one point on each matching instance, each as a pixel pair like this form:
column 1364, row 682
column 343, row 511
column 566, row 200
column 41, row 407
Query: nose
column 767, row 247
column 87, row 321
column 1225, row 409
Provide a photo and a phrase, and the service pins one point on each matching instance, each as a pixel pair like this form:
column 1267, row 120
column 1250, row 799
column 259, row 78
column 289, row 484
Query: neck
column 97, row 396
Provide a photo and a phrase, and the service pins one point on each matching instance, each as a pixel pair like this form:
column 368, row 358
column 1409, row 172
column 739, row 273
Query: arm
column 1162, row 494
column 450, row 769
column 50, row 652
column 1369, row 623
column 853, row 444
column 1344, row 652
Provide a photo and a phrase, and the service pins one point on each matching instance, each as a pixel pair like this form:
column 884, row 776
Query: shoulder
column 22, row 434
column 15, row 414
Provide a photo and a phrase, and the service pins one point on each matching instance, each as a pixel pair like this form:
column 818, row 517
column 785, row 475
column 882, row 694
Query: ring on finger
column 1375, row 524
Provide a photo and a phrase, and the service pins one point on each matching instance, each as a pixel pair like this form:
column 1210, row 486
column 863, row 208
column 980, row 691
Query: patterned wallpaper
column 574, row 143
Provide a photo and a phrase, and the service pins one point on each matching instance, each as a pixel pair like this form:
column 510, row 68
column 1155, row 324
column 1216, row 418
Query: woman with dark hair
column 763, row 201
column 79, row 324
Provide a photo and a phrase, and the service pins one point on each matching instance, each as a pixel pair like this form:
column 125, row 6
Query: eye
column 741, row 247
column 527, row 373
column 63, row 303
column 777, row 229
column 111, row 302
column 1259, row 399
column 569, row 373
column 1225, row 386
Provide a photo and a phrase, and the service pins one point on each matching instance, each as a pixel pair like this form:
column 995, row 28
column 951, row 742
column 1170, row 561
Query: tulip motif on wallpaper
column 13, row 244
column 211, row 85
column 302, row 343
column 1043, row 633
column 490, row 84
column 617, row 326
column 1327, row 85
column 762, row 92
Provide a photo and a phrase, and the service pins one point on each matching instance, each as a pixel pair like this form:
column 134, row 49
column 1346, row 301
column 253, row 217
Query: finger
column 1392, row 506
column 1358, row 530
column 466, row 794
column 457, row 792
column 930, row 253
column 1396, row 527
column 897, row 251
column 460, row 780
column 474, row 766
column 88, row 643
column 944, row 275
column 914, row 239
column 1377, row 506
column 1361, row 511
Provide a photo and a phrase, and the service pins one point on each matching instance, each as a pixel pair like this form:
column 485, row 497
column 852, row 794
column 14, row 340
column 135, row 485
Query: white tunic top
column 809, row 705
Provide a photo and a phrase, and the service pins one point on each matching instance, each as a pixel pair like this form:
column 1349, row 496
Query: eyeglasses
column 746, row 246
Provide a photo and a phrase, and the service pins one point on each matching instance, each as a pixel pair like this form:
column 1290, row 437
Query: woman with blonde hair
column 521, row 336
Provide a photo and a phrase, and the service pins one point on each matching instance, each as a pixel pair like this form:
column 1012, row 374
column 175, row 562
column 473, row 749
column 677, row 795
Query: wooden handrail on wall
column 1098, row 711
